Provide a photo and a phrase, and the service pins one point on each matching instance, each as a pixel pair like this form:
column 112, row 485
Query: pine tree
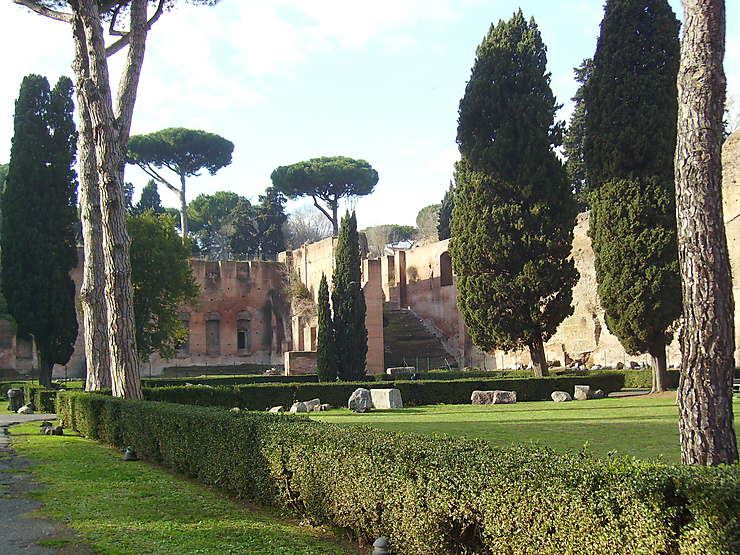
column 348, row 302
column 40, row 219
column 512, row 225
column 445, row 213
column 326, row 353
column 630, row 139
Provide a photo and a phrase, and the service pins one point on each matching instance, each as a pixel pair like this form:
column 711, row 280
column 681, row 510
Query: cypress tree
column 348, row 302
column 575, row 165
column 326, row 353
column 39, row 221
column 512, row 225
column 445, row 213
column 150, row 200
column 631, row 114
column 631, row 95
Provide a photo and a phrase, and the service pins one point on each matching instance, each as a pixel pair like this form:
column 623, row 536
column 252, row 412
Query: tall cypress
column 630, row 140
column 348, row 302
column 445, row 213
column 326, row 353
column 512, row 225
column 40, row 219
column 575, row 165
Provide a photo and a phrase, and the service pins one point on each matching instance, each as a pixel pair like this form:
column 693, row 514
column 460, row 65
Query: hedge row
column 418, row 392
column 428, row 494
column 42, row 399
column 313, row 378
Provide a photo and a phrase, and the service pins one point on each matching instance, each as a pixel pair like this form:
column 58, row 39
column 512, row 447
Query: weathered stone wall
column 731, row 213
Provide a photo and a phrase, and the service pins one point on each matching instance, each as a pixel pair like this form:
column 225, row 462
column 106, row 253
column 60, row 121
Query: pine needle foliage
column 326, row 353
column 40, row 220
column 512, row 224
column 348, row 302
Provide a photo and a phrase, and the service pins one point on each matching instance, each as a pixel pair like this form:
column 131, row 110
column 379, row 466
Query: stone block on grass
column 360, row 400
column 561, row 396
column 583, row 393
column 386, row 398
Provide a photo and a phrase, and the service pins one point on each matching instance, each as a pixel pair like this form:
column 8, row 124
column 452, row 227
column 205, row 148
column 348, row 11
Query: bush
column 428, row 494
column 227, row 380
column 42, row 399
column 417, row 392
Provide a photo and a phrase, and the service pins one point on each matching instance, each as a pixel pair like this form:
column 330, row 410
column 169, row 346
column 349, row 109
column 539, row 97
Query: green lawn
column 124, row 507
column 637, row 426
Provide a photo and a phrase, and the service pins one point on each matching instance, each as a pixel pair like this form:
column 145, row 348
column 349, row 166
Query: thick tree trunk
column 95, row 313
column 539, row 361
column 45, row 369
column 707, row 342
column 110, row 134
column 183, row 209
column 660, row 369
column 335, row 221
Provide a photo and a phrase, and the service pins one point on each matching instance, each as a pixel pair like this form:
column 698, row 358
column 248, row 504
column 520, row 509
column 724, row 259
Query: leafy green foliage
column 162, row 283
column 40, row 218
column 444, row 230
column 348, row 302
column 326, row 353
column 631, row 95
column 210, row 220
column 428, row 494
column 327, row 179
column 633, row 231
column 512, row 224
column 575, row 165
column 630, row 129
column 149, row 200
column 173, row 514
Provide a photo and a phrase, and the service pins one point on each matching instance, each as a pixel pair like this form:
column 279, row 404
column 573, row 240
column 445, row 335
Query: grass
column 123, row 507
column 643, row 427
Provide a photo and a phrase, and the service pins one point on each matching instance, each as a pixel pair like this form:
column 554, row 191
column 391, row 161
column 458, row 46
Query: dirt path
column 20, row 529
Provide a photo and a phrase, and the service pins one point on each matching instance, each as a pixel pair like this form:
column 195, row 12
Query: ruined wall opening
column 445, row 269
column 242, row 336
column 213, row 333
column 183, row 347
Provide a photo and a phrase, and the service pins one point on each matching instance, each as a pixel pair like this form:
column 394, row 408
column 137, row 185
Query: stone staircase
column 409, row 343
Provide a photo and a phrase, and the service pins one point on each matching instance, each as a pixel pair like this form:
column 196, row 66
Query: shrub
column 428, row 494
column 413, row 392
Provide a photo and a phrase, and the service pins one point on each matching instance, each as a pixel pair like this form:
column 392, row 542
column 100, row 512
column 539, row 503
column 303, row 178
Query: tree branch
column 121, row 43
column 154, row 174
column 324, row 212
column 43, row 10
column 112, row 29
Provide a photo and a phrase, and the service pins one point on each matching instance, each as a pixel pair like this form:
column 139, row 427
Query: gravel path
column 20, row 530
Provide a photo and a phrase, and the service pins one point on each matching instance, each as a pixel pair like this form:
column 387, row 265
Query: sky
column 289, row 80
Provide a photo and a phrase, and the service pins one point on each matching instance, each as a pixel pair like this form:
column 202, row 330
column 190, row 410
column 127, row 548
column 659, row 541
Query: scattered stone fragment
column 561, row 396
column 235, row 409
column 56, row 431
column 599, row 394
column 25, row 409
column 583, row 392
column 326, row 406
column 277, row 409
column 298, row 407
column 495, row 397
column 360, row 400
column 313, row 405
column 620, row 365
column 386, row 398
column 634, row 365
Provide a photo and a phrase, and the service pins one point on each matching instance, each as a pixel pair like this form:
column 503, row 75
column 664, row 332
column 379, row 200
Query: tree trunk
column 539, row 361
column 707, row 342
column 110, row 134
column 183, row 209
column 335, row 221
column 45, row 369
column 95, row 313
column 660, row 371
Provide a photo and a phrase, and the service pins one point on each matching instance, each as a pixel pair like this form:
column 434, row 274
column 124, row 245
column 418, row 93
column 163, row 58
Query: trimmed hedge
column 42, row 399
column 429, row 494
column 418, row 392
column 228, row 380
